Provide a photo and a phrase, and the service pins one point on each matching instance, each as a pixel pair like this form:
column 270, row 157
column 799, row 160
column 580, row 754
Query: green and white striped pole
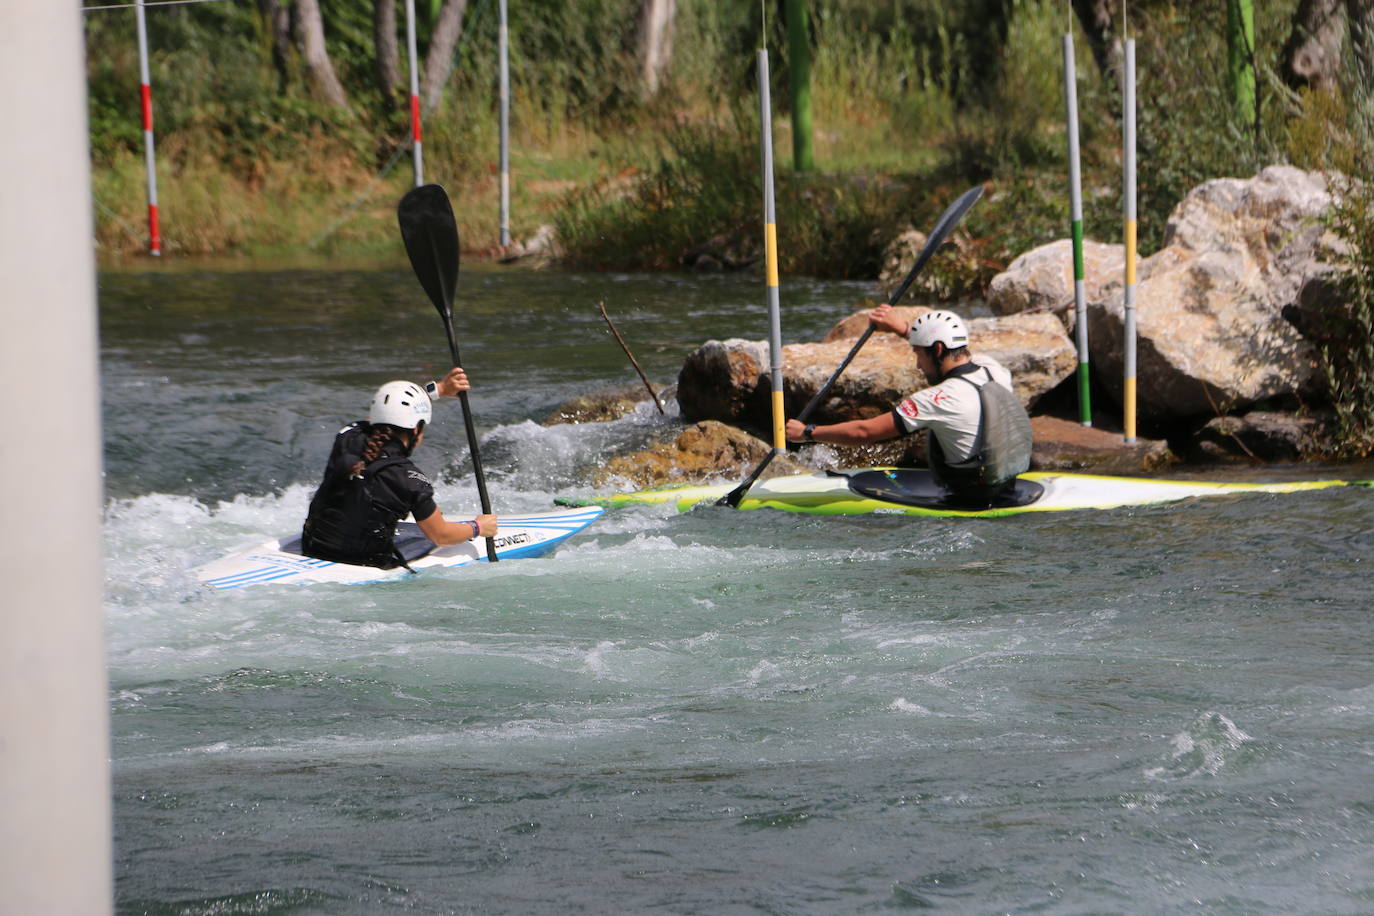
column 1085, row 413
column 770, row 247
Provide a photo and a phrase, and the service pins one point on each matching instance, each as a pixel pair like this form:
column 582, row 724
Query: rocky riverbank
column 1226, row 368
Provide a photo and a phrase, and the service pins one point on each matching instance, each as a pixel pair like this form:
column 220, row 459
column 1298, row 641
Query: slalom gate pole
column 149, row 156
column 1085, row 413
column 770, row 244
column 417, row 147
column 503, row 53
column 1128, row 302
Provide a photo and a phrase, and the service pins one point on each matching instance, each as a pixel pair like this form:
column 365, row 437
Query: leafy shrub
column 1348, row 354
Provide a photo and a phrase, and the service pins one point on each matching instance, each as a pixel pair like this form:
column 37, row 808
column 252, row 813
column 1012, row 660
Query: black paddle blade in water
column 943, row 226
column 430, row 234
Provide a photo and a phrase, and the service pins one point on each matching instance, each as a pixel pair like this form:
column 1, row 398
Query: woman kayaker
column 370, row 483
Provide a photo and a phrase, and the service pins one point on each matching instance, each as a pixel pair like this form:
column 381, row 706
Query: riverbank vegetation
column 913, row 100
column 645, row 155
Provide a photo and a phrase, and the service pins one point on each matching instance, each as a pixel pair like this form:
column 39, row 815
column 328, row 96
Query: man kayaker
column 370, row 483
column 980, row 434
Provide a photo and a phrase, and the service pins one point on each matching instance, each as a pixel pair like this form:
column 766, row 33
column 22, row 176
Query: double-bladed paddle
column 430, row 234
column 948, row 220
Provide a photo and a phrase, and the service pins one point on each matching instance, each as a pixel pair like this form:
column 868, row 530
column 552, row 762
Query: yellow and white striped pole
column 1129, row 194
column 770, row 248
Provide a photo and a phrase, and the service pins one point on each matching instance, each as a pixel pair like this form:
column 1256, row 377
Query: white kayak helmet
column 938, row 327
column 401, row 404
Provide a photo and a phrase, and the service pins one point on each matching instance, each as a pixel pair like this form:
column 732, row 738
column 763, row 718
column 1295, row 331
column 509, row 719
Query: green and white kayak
column 902, row 491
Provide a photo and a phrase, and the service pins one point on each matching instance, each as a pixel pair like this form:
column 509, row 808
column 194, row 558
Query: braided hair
column 379, row 435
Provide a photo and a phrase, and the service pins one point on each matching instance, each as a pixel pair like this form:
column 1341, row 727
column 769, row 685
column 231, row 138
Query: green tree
column 799, row 80
column 1240, row 58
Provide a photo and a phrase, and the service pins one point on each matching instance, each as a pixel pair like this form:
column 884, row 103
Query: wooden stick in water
column 633, row 361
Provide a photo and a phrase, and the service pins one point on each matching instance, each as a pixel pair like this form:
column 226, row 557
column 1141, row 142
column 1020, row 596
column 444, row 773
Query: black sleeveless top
column 353, row 519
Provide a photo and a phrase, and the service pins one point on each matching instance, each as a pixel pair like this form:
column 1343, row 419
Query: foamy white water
column 1140, row 711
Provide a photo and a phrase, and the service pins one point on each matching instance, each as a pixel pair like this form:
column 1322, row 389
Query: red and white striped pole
column 146, row 91
column 416, row 146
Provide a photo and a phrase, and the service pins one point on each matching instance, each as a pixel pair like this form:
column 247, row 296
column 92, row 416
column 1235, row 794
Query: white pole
column 1085, row 415
column 417, row 150
column 770, row 247
column 1129, row 193
column 503, row 43
column 55, row 822
column 149, row 158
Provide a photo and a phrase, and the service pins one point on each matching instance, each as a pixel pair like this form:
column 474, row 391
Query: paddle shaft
column 470, row 428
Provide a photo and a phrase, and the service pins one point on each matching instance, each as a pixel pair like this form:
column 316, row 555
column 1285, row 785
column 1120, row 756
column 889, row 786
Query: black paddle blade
column 943, row 226
column 430, row 234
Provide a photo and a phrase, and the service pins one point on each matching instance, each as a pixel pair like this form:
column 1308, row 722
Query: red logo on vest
column 908, row 409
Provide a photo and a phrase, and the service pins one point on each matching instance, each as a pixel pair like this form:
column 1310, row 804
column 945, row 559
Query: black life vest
column 346, row 524
column 1003, row 447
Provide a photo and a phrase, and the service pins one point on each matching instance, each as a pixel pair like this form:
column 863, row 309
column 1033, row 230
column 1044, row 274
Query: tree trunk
column 439, row 59
column 1240, row 58
column 799, row 82
column 1360, row 14
column 1095, row 16
column 278, row 21
column 655, row 43
column 384, row 40
column 1312, row 54
column 309, row 25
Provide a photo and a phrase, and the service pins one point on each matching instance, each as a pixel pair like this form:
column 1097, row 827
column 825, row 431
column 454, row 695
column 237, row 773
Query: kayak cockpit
column 914, row 487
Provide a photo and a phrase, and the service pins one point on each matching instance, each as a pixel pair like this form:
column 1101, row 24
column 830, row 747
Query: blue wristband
column 476, row 531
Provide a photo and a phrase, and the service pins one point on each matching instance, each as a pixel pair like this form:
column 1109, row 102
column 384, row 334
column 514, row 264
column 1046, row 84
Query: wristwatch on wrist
column 432, row 389
column 809, row 434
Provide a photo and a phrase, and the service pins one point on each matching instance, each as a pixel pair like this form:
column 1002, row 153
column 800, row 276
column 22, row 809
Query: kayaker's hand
column 796, row 431
column 452, row 384
column 883, row 318
column 486, row 524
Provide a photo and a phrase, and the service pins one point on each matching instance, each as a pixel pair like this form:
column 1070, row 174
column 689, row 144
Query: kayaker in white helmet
column 370, row 483
column 980, row 433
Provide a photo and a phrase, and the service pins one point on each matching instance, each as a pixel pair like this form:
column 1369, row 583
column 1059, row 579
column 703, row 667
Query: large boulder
column 720, row 379
column 1212, row 337
column 1062, row 445
column 1041, row 280
column 605, row 405
column 1210, row 326
column 701, row 452
column 1259, row 436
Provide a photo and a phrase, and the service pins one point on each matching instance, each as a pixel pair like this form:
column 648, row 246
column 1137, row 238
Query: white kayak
column 280, row 560
column 913, row 492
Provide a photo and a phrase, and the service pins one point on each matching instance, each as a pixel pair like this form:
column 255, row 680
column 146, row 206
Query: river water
column 1151, row 710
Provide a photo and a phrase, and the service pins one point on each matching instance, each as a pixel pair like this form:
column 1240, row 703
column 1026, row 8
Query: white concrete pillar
column 55, row 804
